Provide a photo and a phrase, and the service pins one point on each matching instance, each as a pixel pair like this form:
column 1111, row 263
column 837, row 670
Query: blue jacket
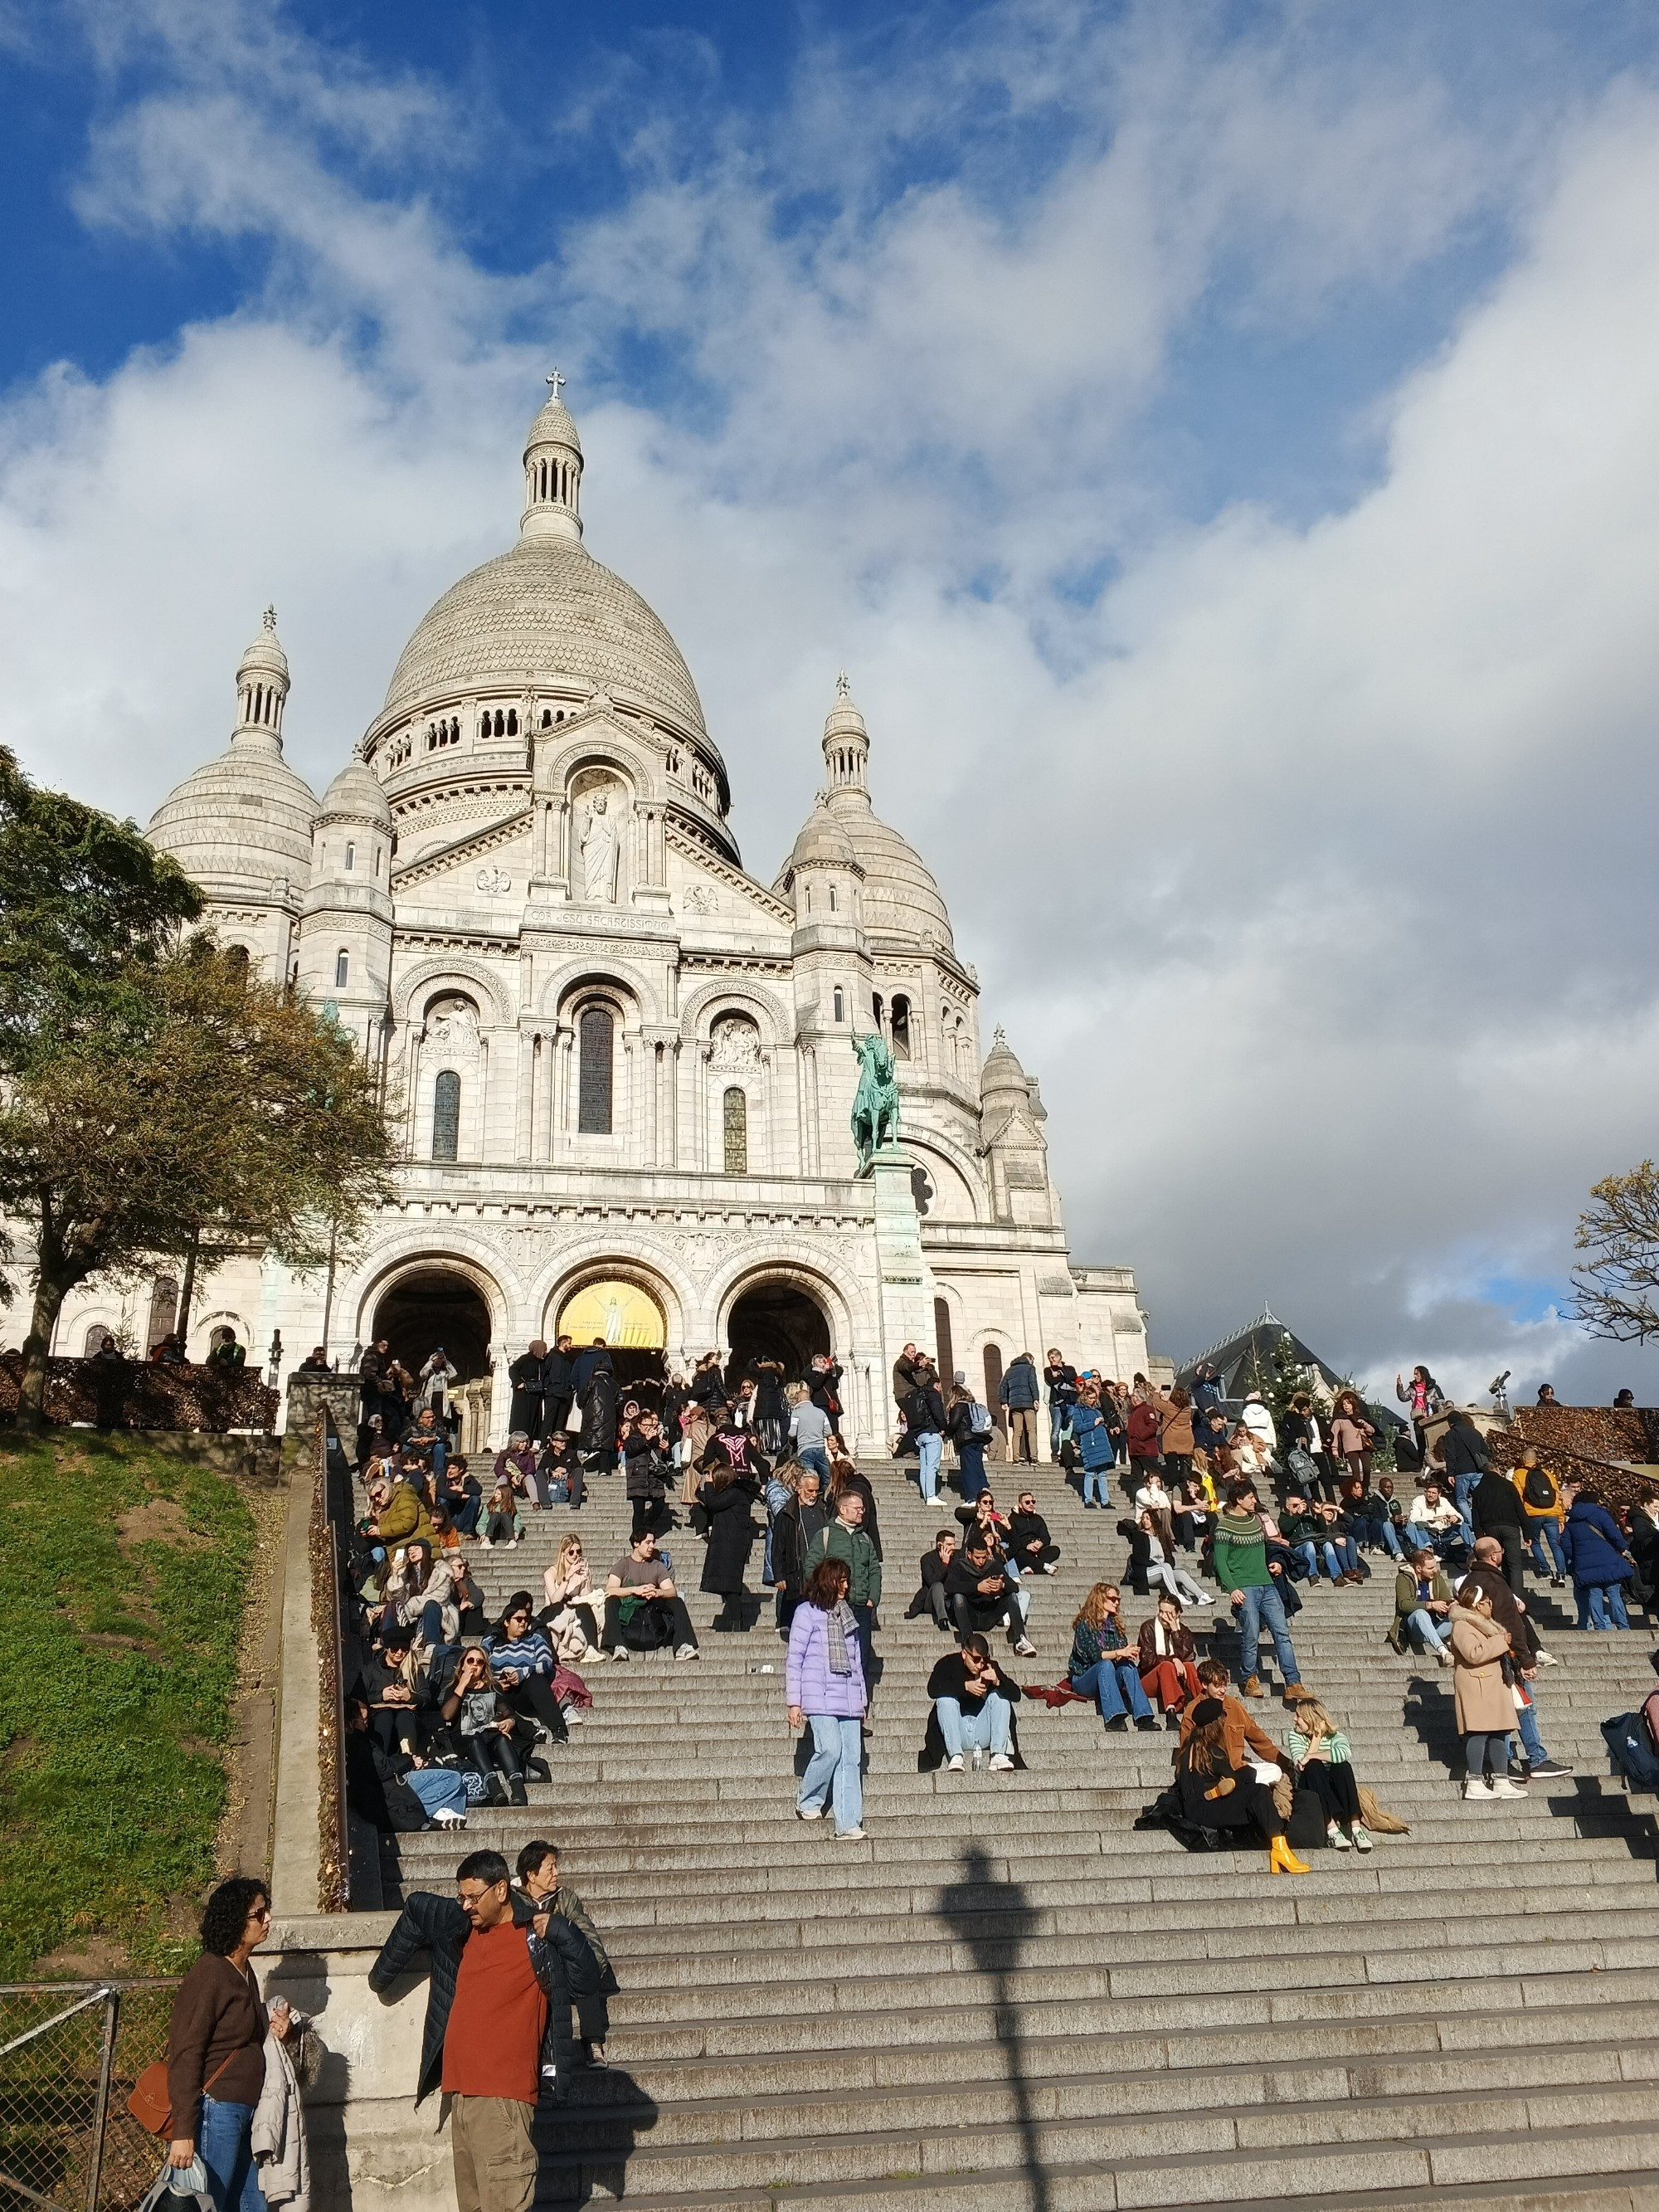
column 1089, row 1434
column 1020, row 1387
column 1594, row 1546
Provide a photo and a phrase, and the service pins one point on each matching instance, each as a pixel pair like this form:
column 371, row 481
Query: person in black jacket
column 935, row 1571
column 982, row 1597
column 558, row 1386
column 1030, row 1544
column 793, row 1528
column 725, row 1499
column 483, row 1966
column 924, row 1427
column 973, row 1705
column 823, row 1383
column 379, row 1788
column 1495, row 1509
column 1463, row 1451
column 526, row 1377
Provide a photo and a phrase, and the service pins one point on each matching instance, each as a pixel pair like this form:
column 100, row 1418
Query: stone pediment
column 707, row 889
column 484, row 846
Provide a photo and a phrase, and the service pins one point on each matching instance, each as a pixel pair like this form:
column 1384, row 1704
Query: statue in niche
column 734, row 1043
column 597, row 846
column 451, row 1028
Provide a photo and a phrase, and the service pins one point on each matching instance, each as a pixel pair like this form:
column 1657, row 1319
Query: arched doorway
column 630, row 1322
column 435, row 1306
column 776, row 1320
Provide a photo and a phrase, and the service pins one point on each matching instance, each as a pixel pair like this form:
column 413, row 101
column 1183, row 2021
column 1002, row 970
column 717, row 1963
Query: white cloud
column 1305, row 866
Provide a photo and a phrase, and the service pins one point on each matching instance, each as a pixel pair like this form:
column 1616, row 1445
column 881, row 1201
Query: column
column 539, row 1118
column 522, row 1104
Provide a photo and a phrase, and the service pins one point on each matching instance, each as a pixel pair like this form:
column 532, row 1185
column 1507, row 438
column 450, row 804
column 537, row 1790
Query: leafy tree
column 1619, row 1230
column 220, row 1113
column 88, row 908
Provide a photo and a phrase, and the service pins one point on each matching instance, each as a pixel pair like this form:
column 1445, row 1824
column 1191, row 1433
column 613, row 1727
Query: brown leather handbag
column 147, row 2099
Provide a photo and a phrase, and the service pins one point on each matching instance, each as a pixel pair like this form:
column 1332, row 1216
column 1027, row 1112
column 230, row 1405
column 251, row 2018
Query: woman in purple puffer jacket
column 825, row 1683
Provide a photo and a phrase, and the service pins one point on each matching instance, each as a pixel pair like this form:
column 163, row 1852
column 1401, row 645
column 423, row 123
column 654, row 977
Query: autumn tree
column 236, row 1113
column 1614, row 1287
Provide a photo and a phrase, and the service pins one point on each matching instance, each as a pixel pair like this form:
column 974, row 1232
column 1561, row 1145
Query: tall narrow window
column 446, row 1116
column 597, row 1033
column 840, row 1007
column 875, row 1008
column 901, row 1028
column 341, row 969
column 832, row 898
column 943, row 1350
column 734, row 1128
column 163, row 1311
column 351, row 856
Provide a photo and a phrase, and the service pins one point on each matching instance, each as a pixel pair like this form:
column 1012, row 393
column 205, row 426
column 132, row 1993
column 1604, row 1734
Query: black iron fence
column 70, row 2053
column 331, row 1526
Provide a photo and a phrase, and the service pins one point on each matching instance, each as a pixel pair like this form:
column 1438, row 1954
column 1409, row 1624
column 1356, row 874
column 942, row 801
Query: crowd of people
column 1224, row 1514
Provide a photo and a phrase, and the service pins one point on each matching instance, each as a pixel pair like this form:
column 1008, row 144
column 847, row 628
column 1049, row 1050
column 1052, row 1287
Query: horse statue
column 875, row 1109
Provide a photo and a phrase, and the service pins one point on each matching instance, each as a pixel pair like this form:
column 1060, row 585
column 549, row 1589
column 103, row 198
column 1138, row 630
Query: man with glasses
column 498, row 1992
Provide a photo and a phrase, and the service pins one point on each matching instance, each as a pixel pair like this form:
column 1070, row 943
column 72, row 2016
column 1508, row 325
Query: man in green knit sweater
column 1241, row 1566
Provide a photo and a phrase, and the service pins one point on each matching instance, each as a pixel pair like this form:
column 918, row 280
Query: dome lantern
column 262, row 687
column 552, row 472
column 846, row 742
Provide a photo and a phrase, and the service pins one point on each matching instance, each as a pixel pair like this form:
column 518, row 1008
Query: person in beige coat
column 1485, row 1701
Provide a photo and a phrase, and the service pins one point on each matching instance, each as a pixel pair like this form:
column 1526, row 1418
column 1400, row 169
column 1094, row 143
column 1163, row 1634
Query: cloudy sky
column 1221, row 442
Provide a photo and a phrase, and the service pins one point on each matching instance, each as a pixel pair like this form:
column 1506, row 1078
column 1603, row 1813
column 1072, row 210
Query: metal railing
column 70, row 2053
column 330, row 1538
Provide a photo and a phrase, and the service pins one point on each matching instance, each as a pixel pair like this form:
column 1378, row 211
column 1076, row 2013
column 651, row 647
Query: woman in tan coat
column 1486, row 1704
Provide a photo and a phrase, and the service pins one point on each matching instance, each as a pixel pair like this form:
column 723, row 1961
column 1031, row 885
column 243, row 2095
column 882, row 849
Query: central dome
column 545, row 610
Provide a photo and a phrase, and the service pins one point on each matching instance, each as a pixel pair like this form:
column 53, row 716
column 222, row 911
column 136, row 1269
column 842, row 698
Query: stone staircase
column 1009, row 2000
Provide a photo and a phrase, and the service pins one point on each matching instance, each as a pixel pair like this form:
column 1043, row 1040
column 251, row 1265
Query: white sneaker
column 1001, row 1764
column 849, row 1835
column 1548, row 1659
column 1481, row 1791
column 1362, row 1841
column 1025, row 1651
column 1050, row 1567
column 688, row 1651
column 1203, row 1598
column 1503, row 1787
column 1337, row 1840
column 953, row 1766
column 445, row 1817
column 806, row 1813
column 489, row 1543
column 1443, row 1653
column 621, row 1651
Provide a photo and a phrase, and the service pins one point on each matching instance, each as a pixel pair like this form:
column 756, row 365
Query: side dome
column 901, row 898
column 356, row 795
column 544, row 610
column 240, row 826
column 822, row 843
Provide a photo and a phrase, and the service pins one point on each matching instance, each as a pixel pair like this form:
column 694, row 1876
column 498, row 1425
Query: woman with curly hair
column 1213, row 1794
column 216, row 2047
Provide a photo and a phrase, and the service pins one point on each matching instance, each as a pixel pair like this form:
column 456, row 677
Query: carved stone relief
column 734, row 1043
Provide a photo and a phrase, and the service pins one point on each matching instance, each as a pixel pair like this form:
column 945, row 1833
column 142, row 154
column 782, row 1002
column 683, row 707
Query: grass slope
column 122, row 1571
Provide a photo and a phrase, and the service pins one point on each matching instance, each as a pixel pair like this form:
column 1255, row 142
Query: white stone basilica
column 624, row 1065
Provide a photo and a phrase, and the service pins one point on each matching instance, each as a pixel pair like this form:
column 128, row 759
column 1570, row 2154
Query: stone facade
column 615, row 1056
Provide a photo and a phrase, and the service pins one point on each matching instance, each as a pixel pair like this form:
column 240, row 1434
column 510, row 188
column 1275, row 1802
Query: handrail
column 331, row 1526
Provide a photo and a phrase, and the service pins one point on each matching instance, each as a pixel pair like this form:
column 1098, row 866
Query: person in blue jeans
column 974, row 1703
column 809, row 1432
column 1599, row 1561
column 1104, row 1665
column 1241, row 1567
column 216, row 2047
column 824, row 1684
column 924, row 1420
column 1094, row 1446
column 1061, row 1383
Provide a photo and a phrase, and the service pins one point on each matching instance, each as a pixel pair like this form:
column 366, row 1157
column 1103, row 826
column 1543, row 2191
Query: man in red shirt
column 497, row 1990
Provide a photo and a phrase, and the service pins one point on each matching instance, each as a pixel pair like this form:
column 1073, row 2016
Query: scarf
column 838, row 1626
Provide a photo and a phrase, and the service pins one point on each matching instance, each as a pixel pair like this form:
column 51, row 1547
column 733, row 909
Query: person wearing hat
column 1213, row 1794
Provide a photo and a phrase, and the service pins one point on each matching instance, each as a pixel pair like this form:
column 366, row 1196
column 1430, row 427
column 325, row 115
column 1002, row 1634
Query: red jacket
column 1143, row 1432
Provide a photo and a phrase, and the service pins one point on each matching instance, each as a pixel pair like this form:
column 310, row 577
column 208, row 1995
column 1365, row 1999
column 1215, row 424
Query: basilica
column 623, row 1067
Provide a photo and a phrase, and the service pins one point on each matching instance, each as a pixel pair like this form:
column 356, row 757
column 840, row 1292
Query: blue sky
column 1218, row 440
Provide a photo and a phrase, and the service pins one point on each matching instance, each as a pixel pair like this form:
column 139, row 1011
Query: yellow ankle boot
column 1282, row 1860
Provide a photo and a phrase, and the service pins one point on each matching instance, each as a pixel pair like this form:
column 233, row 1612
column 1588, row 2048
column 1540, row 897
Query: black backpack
column 1540, row 1492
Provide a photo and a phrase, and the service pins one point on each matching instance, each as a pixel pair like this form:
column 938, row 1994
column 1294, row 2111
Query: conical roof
column 1002, row 1070
column 356, row 795
column 554, row 426
column 822, row 843
column 241, row 823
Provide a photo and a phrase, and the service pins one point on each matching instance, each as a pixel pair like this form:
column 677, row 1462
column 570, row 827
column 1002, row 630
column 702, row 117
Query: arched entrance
column 630, row 1322
column 435, row 1306
column 776, row 1320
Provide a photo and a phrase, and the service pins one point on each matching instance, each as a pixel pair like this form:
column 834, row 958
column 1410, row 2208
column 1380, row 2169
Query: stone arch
column 800, row 1270
column 603, row 1261
column 955, row 1162
column 595, row 747
column 702, row 1008
column 419, row 1251
column 637, row 999
column 463, row 976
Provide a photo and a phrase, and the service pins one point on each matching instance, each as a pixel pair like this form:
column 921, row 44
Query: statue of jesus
column 598, row 851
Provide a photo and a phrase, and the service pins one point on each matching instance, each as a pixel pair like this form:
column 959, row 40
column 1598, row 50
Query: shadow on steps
column 963, row 1905
column 583, row 2146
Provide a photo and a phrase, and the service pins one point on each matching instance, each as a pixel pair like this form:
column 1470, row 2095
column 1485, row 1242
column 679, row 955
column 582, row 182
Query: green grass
column 118, row 1670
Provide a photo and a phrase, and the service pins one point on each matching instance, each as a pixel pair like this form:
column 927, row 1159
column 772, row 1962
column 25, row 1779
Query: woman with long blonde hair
column 573, row 1613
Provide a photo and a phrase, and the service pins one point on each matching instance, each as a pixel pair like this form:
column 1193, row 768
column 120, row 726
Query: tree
column 1614, row 1287
column 223, row 1113
column 88, row 908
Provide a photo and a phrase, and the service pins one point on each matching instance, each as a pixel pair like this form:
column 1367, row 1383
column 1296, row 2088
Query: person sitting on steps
column 1214, row 1793
column 1323, row 1761
column 935, row 1569
column 982, row 1594
column 494, row 1739
column 1030, row 1544
column 974, row 1702
column 1103, row 1664
column 640, row 1581
column 1422, row 1606
column 1167, row 1659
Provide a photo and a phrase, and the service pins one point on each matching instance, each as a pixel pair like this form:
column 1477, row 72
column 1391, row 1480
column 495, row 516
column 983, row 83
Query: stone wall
column 138, row 1395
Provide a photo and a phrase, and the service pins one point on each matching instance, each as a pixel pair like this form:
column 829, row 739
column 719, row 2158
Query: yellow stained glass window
column 621, row 1313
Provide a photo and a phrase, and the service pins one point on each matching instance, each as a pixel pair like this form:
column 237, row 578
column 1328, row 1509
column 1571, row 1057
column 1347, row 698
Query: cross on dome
column 556, row 382
column 843, row 688
column 271, row 620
